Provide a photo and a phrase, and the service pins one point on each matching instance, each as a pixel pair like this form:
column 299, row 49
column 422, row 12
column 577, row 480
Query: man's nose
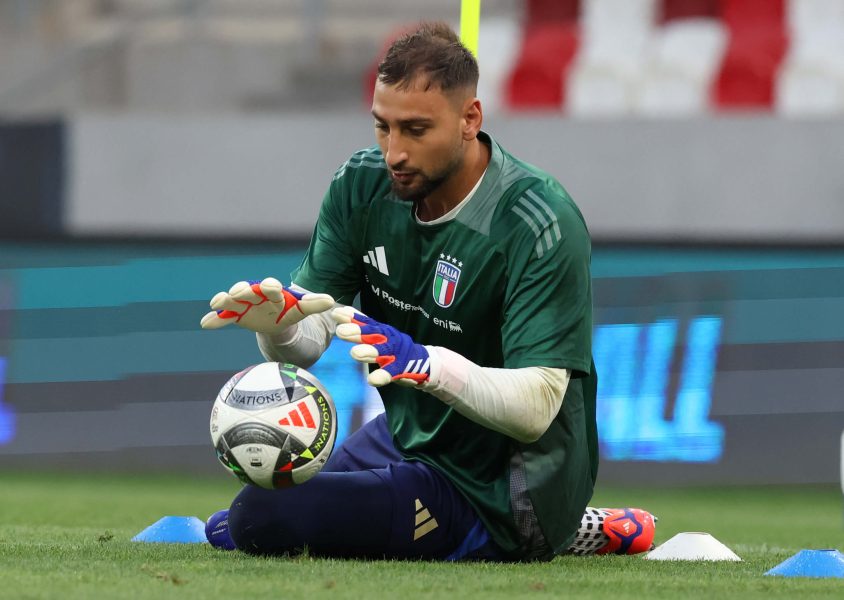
column 396, row 153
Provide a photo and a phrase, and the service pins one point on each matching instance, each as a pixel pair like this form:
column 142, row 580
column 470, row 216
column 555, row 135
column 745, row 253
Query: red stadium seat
column 743, row 15
column 672, row 10
column 758, row 43
column 539, row 78
column 749, row 70
column 553, row 11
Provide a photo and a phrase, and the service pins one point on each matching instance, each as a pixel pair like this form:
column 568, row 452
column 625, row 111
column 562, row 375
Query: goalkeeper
column 473, row 274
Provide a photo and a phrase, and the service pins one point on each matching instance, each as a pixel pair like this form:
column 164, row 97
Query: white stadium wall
column 737, row 179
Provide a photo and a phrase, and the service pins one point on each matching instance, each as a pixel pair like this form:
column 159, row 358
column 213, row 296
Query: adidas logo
column 418, row 366
column 425, row 523
column 377, row 259
column 299, row 417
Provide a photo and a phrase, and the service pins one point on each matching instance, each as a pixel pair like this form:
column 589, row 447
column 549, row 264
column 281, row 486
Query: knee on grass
column 256, row 524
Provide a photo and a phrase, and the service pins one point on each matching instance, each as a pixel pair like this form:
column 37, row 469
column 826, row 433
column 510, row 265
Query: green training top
column 506, row 283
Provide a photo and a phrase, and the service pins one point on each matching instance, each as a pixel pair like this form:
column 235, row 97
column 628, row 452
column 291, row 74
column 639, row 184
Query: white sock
column 590, row 535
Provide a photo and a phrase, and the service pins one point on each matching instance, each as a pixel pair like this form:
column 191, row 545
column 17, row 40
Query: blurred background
column 153, row 152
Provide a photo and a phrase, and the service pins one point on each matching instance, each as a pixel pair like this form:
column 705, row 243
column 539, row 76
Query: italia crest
column 446, row 277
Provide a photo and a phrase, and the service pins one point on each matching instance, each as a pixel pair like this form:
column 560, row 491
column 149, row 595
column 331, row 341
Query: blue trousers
column 368, row 502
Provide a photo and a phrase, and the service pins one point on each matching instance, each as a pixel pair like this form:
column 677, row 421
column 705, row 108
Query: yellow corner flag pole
column 470, row 23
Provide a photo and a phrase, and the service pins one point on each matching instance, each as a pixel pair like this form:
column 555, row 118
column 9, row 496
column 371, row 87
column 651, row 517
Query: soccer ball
column 630, row 531
column 273, row 425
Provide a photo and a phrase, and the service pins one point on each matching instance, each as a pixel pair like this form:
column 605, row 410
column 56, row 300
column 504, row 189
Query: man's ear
column 473, row 118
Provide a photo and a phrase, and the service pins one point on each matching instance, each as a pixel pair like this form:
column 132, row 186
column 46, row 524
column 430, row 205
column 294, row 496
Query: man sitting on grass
column 473, row 273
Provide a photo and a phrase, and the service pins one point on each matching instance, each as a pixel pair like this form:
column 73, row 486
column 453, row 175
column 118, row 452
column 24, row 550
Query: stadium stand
column 583, row 58
column 612, row 57
column 758, row 42
column 538, row 80
column 681, row 57
column 672, row 10
column 811, row 82
column 61, row 56
column 552, row 11
column 549, row 41
column 498, row 45
column 686, row 53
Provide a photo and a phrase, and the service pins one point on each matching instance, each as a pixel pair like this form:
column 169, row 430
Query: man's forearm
column 520, row 403
column 301, row 344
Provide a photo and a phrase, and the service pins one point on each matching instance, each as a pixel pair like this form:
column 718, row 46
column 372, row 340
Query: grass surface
column 67, row 536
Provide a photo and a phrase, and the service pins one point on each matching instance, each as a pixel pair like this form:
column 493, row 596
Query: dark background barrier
column 32, row 179
column 716, row 364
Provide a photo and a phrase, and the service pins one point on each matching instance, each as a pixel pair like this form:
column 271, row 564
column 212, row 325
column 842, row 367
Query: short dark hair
column 432, row 50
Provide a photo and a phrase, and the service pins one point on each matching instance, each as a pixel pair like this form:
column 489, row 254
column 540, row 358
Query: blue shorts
column 368, row 502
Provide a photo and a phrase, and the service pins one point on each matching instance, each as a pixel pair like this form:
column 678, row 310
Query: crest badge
column 446, row 277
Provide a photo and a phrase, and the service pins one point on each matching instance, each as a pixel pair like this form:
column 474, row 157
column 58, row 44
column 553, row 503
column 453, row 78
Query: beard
column 421, row 189
column 424, row 185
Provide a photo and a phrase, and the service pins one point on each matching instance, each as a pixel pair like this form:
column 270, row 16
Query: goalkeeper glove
column 264, row 307
column 400, row 359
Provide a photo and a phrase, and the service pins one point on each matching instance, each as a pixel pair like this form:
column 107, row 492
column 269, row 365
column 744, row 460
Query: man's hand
column 265, row 306
column 401, row 360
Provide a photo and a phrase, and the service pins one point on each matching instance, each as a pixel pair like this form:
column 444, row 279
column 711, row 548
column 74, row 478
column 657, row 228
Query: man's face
column 420, row 135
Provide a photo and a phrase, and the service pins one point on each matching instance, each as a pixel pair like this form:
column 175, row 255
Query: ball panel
column 258, row 462
column 300, row 418
column 233, row 381
column 264, row 376
column 324, row 441
column 254, row 432
column 265, row 386
column 223, row 418
column 282, row 479
column 308, row 469
column 227, row 459
column 295, row 387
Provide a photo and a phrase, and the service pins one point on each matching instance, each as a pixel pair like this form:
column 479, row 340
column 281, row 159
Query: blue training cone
column 174, row 530
column 811, row 563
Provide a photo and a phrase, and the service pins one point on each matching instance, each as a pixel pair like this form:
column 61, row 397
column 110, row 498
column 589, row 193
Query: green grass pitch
column 67, row 536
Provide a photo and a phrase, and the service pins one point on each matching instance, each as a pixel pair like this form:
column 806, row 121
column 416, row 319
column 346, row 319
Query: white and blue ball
column 273, row 425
